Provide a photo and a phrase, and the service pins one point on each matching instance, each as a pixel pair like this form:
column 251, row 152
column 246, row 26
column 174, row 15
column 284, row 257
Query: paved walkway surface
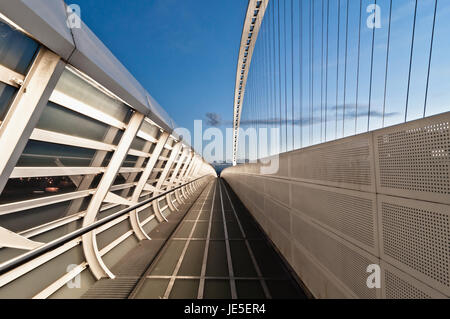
column 217, row 251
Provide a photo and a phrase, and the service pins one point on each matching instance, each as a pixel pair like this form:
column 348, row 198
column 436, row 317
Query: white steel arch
column 255, row 14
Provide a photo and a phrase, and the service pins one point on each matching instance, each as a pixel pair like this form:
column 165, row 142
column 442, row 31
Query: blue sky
column 403, row 94
column 183, row 52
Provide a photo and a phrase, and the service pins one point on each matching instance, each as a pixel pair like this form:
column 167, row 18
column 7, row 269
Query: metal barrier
column 22, row 259
column 339, row 209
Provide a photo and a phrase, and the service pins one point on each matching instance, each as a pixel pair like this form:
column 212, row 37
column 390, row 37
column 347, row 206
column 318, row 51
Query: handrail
column 26, row 257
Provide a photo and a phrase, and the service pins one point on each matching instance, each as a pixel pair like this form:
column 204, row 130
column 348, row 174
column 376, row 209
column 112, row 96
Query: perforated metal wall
column 399, row 285
column 413, row 159
column 344, row 163
column 346, row 262
column 416, row 237
column 376, row 198
column 351, row 214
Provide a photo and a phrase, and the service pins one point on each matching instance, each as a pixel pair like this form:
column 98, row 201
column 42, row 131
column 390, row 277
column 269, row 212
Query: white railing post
column 26, row 110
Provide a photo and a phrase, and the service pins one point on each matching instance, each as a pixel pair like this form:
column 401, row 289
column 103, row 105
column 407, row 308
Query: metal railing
column 24, row 258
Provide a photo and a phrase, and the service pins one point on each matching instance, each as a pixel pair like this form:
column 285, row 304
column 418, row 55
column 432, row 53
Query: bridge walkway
column 218, row 251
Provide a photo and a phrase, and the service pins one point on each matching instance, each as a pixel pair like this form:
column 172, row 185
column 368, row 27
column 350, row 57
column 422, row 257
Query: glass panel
column 6, row 97
column 192, row 261
column 16, row 49
column 284, row 289
column 59, row 119
column 242, row 263
column 138, row 144
column 27, row 219
column 217, row 289
column 120, row 179
column 184, row 289
column 153, row 289
column 18, row 189
column 249, row 289
column 47, row 154
column 130, row 161
column 151, row 130
column 75, row 87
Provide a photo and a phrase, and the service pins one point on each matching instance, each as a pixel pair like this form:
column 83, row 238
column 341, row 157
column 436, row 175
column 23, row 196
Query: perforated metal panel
column 380, row 197
column 319, row 281
column 347, row 262
column 415, row 236
column 398, row 285
column 278, row 189
column 351, row 214
column 344, row 163
column 413, row 159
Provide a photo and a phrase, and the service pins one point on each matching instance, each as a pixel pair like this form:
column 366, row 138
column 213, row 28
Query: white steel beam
column 186, row 190
column 13, row 207
column 41, row 201
column 19, row 172
column 168, row 179
column 29, row 266
column 139, row 164
column 179, row 192
column 142, row 185
column 59, row 138
column 116, row 199
column 150, row 188
column 185, row 167
column 77, row 106
column 193, row 174
column 13, row 240
column 26, row 109
column 173, row 178
column 162, row 177
column 190, row 168
column 11, row 77
column 96, row 161
column 65, row 171
column 96, row 264
column 184, row 172
column 147, row 137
